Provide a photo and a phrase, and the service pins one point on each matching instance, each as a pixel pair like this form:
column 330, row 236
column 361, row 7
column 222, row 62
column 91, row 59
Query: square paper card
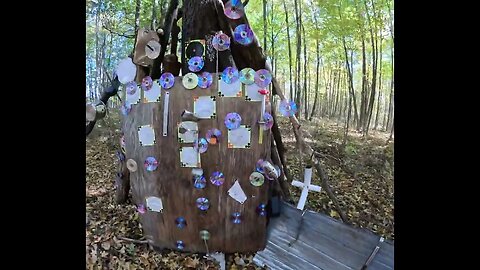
column 240, row 137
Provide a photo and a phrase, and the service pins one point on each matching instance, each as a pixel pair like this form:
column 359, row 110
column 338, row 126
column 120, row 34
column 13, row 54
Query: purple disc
column 243, row 34
column 217, row 178
column 233, row 120
column 261, row 209
column 131, row 88
column 263, row 78
column 180, row 222
column 147, row 83
column 167, row 80
column 236, row 218
column 234, row 9
column 247, row 76
column 126, row 108
column 287, row 108
column 268, row 119
column 205, row 80
column 230, row 75
column 213, row 135
column 150, row 164
column 221, row 42
column 141, row 209
column 201, row 145
column 195, row 64
column 259, row 166
column 203, row 204
column 199, row 181
column 180, row 245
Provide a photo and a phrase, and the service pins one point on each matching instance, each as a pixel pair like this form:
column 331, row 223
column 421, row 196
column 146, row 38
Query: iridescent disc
column 201, row 145
column 190, row 81
column 141, row 209
column 203, row 203
column 261, row 209
column 195, row 64
column 236, row 218
column 150, row 164
column 213, row 135
column 256, row 179
column 217, row 178
column 259, row 166
column 205, row 80
column 233, row 120
column 131, row 88
column 247, row 76
column 147, row 83
column 166, row 80
column 243, row 34
column 221, row 42
column 263, row 78
column 234, row 9
column 230, row 75
column 199, row 181
column 204, row 235
column 268, row 119
column 180, row 245
column 287, row 108
column 180, row 222
column 126, row 108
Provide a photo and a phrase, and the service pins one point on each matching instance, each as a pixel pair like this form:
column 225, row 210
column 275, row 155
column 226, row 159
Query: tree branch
column 116, row 33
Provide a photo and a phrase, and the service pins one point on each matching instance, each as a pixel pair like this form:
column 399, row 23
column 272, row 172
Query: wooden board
column 324, row 243
column 174, row 184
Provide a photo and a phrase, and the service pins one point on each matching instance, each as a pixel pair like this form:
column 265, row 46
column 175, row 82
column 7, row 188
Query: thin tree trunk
column 379, row 86
column 350, row 78
column 153, row 23
column 317, row 87
column 138, row 4
column 374, row 42
column 363, row 92
column 305, row 72
column 289, row 50
column 298, row 90
column 272, row 44
column 265, row 25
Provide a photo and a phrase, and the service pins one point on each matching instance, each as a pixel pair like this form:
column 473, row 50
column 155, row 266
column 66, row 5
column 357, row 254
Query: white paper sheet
column 236, row 192
column 154, row 204
column 146, row 135
column 135, row 98
column 252, row 94
column 229, row 90
column 240, row 137
column 189, row 157
column 154, row 94
column 204, row 107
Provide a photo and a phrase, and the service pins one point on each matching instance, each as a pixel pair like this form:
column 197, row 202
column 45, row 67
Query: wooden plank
column 174, row 184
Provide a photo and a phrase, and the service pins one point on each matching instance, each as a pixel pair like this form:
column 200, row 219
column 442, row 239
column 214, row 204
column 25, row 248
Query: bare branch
column 116, row 33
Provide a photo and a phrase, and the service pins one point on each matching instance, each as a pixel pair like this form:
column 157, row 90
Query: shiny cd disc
column 287, row 108
column 230, row 75
column 199, row 181
column 256, row 179
column 201, row 145
column 234, row 9
column 233, row 120
column 213, row 135
column 243, row 34
column 195, row 64
column 259, row 167
column 268, row 119
column 190, row 80
column 263, row 78
column 221, row 42
column 205, row 80
column 203, row 204
column 167, row 80
column 217, row 178
column 147, row 83
column 247, row 76
column 194, row 48
column 151, row 164
column 131, row 88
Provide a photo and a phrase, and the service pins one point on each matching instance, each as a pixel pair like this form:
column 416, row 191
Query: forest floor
column 361, row 176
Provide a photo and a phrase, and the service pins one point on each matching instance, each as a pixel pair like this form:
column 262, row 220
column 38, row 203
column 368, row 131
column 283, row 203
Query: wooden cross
column 305, row 186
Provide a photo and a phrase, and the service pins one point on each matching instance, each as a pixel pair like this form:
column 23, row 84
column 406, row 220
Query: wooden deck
column 324, row 243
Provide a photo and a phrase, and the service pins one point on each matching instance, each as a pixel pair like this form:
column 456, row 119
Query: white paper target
column 135, row 98
column 146, row 135
column 239, row 137
column 189, row 157
column 190, row 135
column 126, row 70
column 154, row 204
column 252, row 94
column 204, row 107
column 152, row 95
column 229, row 90
column 236, row 192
